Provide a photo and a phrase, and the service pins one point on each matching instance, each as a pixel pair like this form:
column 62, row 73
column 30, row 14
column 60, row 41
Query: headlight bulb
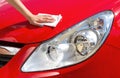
column 57, row 52
column 54, row 53
column 84, row 41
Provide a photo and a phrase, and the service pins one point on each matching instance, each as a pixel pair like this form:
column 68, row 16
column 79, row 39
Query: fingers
column 47, row 16
column 46, row 19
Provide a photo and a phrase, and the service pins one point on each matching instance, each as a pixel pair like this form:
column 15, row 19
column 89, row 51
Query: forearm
column 20, row 7
column 33, row 19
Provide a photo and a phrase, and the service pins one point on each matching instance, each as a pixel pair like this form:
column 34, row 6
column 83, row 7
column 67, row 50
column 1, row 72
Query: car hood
column 15, row 28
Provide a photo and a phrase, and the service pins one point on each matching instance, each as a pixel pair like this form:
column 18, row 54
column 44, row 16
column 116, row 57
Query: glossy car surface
column 15, row 29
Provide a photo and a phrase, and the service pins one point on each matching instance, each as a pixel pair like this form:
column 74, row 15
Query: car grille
column 4, row 59
column 10, row 47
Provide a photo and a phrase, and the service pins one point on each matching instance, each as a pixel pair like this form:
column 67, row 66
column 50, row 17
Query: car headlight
column 72, row 46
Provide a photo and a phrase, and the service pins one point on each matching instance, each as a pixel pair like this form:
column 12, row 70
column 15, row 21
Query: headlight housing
column 72, row 46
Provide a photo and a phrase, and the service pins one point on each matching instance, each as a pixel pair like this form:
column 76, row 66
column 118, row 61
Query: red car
column 84, row 44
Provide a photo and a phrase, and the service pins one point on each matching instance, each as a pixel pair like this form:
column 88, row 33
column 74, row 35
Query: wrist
column 29, row 16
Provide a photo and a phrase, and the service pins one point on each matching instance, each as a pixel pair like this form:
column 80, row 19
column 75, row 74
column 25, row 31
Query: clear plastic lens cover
column 72, row 46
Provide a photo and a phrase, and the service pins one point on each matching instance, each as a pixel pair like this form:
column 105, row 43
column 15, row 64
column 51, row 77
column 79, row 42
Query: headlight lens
column 73, row 46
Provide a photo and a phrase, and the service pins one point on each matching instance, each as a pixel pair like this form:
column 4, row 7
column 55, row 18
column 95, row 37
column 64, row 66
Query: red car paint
column 15, row 28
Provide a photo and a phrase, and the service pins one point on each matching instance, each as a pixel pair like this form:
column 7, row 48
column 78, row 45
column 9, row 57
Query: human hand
column 37, row 19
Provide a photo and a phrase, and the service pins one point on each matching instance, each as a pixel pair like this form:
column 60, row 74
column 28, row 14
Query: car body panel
column 103, row 64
